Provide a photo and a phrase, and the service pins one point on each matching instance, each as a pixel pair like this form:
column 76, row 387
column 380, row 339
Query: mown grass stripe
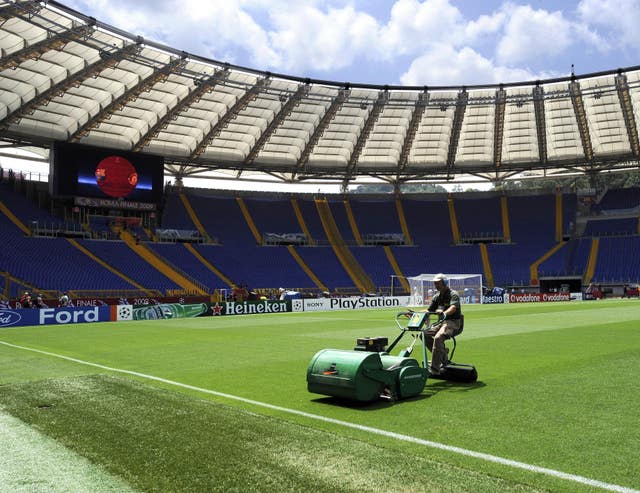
column 31, row 461
column 406, row 438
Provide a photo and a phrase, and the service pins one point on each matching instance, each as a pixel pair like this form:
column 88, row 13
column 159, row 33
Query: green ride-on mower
column 369, row 372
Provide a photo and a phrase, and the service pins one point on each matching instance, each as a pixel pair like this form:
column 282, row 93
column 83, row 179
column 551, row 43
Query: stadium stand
column 618, row 260
column 273, row 215
column 620, row 199
column 36, row 218
column 479, row 218
column 52, row 263
column 375, row 216
column 312, row 220
column 611, row 226
column 121, row 258
column 174, row 214
column 243, row 261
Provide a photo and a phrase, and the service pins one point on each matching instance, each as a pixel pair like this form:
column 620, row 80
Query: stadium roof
column 66, row 76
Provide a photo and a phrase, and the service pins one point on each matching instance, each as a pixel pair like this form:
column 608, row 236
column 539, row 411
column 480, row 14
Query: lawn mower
column 369, row 372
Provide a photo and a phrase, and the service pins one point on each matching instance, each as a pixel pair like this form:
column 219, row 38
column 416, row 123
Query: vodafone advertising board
column 536, row 297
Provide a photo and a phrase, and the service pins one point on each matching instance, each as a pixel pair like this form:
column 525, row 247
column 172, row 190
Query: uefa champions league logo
column 125, row 312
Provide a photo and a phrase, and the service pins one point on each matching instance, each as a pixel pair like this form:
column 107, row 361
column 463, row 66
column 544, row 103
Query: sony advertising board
column 327, row 304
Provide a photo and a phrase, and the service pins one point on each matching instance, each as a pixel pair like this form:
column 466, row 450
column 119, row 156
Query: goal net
column 468, row 286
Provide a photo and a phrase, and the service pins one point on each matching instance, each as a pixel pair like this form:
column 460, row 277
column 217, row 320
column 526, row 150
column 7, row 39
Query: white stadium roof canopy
column 67, row 77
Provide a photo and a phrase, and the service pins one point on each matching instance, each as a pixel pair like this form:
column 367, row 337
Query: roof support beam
column 458, row 117
column 51, row 42
column 232, row 113
column 108, row 60
column 628, row 114
column 202, row 87
column 414, row 123
column 336, row 104
column 284, row 112
column 158, row 75
column 374, row 114
column 498, row 130
column 581, row 117
column 541, row 126
column 16, row 9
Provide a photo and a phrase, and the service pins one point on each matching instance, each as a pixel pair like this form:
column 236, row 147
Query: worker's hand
column 407, row 314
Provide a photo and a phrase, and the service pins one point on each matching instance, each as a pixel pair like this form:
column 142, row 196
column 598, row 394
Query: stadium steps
column 403, row 223
column 209, row 265
column 14, row 219
column 249, row 219
column 316, row 280
column 150, row 234
column 352, row 222
column 396, row 268
column 558, row 216
column 533, row 268
column 108, row 267
column 156, row 262
column 454, row 221
column 486, row 265
column 301, row 221
column 194, row 216
column 506, row 227
column 348, row 261
column 593, row 258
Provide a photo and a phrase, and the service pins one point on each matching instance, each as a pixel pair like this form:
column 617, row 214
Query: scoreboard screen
column 78, row 170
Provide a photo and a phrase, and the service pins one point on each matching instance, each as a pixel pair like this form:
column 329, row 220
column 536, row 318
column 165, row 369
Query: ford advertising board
column 55, row 316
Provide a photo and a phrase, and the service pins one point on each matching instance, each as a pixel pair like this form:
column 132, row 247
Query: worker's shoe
column 434, row 371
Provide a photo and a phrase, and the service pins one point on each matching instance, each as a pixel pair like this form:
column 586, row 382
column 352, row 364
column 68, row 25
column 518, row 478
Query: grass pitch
column 555, row 390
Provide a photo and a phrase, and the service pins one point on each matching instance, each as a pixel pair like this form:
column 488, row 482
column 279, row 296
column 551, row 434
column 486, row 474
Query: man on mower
column 446, row 303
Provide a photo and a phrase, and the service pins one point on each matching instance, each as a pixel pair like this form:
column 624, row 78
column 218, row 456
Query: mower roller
column 369, row 372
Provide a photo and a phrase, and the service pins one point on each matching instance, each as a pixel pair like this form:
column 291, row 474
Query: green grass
column 163, row 441
column 556, row 390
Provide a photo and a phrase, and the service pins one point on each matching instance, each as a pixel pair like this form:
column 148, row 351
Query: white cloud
column 448, row 66
column 327, row 36
column 619, row 20
column 212, row 29
column 531, row 34
column 308, row 38
column 484, row 25
column 415, row 25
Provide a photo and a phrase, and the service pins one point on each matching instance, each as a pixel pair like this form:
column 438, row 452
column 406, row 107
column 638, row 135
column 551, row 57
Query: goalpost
column 468, row 286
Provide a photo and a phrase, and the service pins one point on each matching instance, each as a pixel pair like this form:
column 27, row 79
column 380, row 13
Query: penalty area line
column 389, row 434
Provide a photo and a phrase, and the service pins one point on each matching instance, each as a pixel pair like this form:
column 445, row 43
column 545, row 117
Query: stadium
column 173, row 332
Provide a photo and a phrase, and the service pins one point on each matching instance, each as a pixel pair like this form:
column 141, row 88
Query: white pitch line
column 389, row 434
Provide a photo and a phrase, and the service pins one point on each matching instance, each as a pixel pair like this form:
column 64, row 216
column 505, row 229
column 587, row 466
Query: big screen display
column 78, row 170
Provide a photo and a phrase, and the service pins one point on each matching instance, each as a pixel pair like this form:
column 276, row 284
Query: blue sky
column 408, row 42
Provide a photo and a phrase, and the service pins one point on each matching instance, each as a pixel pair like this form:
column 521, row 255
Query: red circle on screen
column 116, row 176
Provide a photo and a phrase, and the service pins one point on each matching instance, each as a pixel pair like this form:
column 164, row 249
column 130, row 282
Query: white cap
column 441, row 277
